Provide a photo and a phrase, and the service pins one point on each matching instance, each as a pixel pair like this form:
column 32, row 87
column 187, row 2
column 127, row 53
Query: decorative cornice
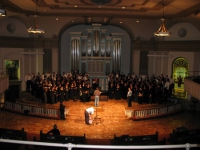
column 167, row 45
column 22, row 42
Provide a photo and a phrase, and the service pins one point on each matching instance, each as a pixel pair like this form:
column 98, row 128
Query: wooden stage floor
column 113, row 121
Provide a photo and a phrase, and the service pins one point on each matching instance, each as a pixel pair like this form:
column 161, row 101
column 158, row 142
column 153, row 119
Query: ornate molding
column 167, row 45
column 22, row 42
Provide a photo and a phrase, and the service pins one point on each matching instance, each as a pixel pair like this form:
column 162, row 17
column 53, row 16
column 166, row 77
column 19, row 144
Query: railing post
column 70, row 146
column 187, row 146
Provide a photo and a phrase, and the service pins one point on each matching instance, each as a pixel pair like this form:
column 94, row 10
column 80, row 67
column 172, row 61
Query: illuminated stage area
column 113, row 121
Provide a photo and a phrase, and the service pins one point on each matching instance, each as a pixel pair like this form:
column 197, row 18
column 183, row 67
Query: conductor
column 96, row 94
column 88, row 112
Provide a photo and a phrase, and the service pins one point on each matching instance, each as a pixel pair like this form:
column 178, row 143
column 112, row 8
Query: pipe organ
column 98, row 53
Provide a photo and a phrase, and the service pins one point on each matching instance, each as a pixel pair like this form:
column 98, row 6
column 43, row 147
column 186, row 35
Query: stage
column 30, row 105
column 113, row 121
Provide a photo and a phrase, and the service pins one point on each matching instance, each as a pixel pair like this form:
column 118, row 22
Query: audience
column 54, row 131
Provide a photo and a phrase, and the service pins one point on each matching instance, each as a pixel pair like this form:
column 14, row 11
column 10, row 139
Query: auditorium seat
column 137, row 140
column 58, row 139
column 14, row 135
column 182, row 135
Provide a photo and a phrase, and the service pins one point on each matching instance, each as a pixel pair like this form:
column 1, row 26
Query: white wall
column 144, row 29
column 16, row 28
column 192, row 33
column 160, row 65
column 189, row 56
column 12, row 54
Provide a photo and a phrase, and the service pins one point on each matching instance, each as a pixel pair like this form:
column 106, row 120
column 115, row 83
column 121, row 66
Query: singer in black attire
column 62, row 111
column 129, row 95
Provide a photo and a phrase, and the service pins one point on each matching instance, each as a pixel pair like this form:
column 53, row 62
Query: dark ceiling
column 104, row 10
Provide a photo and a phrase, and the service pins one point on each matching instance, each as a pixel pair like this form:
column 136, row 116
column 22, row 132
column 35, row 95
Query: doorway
column 180, row 70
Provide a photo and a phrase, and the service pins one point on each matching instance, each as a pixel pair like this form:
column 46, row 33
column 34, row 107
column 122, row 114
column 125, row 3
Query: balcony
column 192, row 86
column 4, row 82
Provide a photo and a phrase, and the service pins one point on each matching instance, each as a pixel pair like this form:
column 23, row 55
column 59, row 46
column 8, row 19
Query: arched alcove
column 81, row 32
column 183, row 31
column 180, row 69
column 13, row 27
column 95, row 49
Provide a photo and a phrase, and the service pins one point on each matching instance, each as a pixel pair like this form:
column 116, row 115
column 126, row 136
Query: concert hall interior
column 143, row 57
column 113, row 121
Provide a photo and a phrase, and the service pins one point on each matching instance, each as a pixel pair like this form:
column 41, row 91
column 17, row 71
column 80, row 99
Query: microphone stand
column 97, row 120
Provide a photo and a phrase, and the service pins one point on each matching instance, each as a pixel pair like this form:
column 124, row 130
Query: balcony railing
column 70, row 146
column 192, row 87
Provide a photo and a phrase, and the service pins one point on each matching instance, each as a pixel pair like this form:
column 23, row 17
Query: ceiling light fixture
column 35, row 29
column 2, row 12
column 162, row 31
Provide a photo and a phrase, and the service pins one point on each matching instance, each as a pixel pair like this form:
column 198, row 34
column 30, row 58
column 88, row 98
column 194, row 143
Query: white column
column 136, row 61
column 39, row 61
column 165, row 58
column 159, row 62
column 161, row 66
column 152, row 64
column 33, row 58
column 29, row 62
column 55, row 60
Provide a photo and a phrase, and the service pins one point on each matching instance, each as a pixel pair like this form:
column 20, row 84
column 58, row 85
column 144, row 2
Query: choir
column 53, row 88
column 145, row 89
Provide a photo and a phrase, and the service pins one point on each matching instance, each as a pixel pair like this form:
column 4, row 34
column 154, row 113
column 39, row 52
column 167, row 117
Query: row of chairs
column 183, row 135
column 139, row 140
column 14, row 135
column 180, row 135
column 22, row 135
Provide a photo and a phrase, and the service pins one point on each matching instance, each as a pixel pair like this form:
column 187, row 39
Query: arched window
column 180, row 71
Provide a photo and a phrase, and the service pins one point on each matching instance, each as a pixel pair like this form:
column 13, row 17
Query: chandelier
column 162, row 31
column 34, row 28
column 2, row 12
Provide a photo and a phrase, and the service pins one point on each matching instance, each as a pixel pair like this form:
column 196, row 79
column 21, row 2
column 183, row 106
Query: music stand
column 97, row 120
